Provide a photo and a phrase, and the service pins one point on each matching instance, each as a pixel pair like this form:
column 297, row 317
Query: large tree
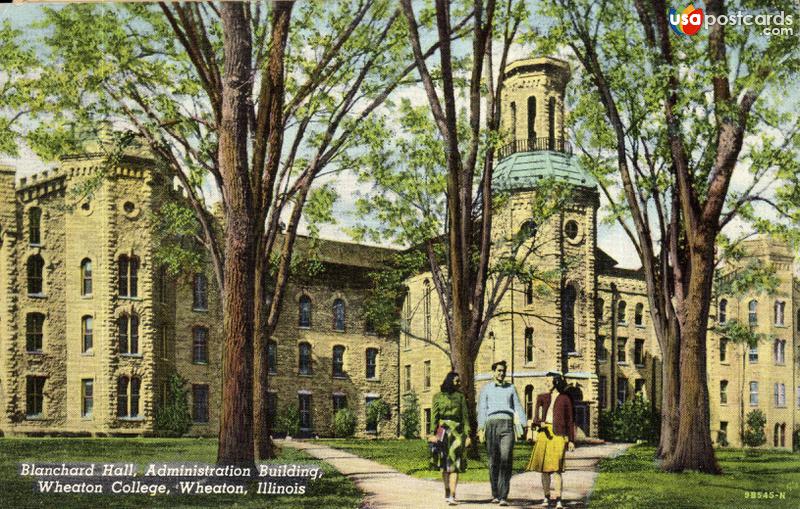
column 663, row 123
column 250, row 102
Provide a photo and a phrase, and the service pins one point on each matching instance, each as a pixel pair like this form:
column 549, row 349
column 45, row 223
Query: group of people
column 500, row 423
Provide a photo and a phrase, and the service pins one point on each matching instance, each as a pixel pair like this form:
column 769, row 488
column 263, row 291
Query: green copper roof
column 523, row 170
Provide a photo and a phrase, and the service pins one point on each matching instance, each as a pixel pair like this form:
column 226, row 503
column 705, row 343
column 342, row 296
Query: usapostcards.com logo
column 690, row 20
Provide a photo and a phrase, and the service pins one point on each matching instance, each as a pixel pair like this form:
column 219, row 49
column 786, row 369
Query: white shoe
column 452, row 501
column 558, row 505
column 545, row 503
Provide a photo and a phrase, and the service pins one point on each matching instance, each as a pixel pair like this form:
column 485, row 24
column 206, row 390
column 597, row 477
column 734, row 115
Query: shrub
column 173, row 418
column 754, row 429
column 377, row 411
column 633, row 420
column 344, row 423
column 409, row 418
column 287, row 422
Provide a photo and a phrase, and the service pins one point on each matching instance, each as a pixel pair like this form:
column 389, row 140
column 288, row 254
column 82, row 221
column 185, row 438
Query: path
column 386, row 488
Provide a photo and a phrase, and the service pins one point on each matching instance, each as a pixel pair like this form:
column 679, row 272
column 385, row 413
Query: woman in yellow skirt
column 554, row 426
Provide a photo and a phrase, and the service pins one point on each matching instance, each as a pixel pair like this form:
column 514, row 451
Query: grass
column 633, row 481
column 332, row 490
column 411, row 457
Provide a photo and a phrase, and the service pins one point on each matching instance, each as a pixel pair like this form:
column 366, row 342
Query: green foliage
column 633, row 420
column 173, row 418
column 754, row 434
column 287, row 422
column 344, row 423
column 178, row 245
column 409, row 418
column 739, row 333
column 377, row 411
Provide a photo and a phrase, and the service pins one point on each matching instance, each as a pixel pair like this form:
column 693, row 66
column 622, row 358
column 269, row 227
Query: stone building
column 92, row 328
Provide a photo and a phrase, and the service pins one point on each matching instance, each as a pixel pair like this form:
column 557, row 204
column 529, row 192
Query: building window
column 163, row 284
column 200, row 345
column 304, row 358
column 339, row 402
column 338, row 315
column 372, row 363
column 164, row 341
column 638, row 387
column 602, row 351
column 34, row 396
column 571, row 229
column 622, row 390
column 601, row 391
column 128, row 396
column 528, row 293
column 753, row 393
column 723, row 349
column 272, row 357
column 752, row 312
column 513, row 120
column 798, row 321
column 426, row 302
column 305, row 411
column 529, row 344
column 722, row 313
column 722, row 436
column 775, row 433
column 87, row 397
column 568, row 296
column 551, row 123
column 86, row 277
column 369, row 325
column 638, row 317
column 200, row 403
column 427, row 413
column 531, row 120
column 621, row 342
column 35, row 275
column 621, row 309
column 780, row 351
column 337, row 361
column 87, row 332
column 406, row 326
column 304, row 319
column 638, row 352
column 783, row 435
column 723, row 392
column 529, row 401
column 200, row 292
column 780, row 395
column 780, row 308
column 128, row 269
column 753, row 354
column 372, row 424
column 599, row 304
column 35, row 226
column 407, row 372
column 128, row 329
column 426, row 375
column 34, row 332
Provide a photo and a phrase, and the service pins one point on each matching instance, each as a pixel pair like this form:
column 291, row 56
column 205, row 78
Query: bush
column 173, row 418
column 754, row 429
column 409, row 418
column 796, row 440
column 344, row 423
column 377, row 411
column 633, row 420
column 287, row 422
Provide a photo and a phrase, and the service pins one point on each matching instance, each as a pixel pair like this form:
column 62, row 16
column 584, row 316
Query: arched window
column 780, row 308
column 568, row 318
column 87, row 329
column 529, row 293
column 337, row 361
column 128, row 329
column 723, row 392
column 531, row 121
column 35, row 275
column 371, row 363
column 529, row 344
column 123, row 383
column 200, row 292
column 35, row 226
column 338, row 315
column 427, row 309
column 551, row 121
column 722, row 315
column 128, row 390
column 780, row 351
column 86, row 277
column 723, row 349
column 599, row 304
column 304, row 319
column 128, row 272
column 622, row 308
column 304, row 358
column 783, row 435
column 529, row 401
column 775, row 433
column 752, row 309
column 528, row 229
column 513, row 120
column 638, row 317
column 34, row 332
column 272, row 357
column 200, row 345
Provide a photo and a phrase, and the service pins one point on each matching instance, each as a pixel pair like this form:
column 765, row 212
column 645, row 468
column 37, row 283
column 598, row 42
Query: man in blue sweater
column 500, row 418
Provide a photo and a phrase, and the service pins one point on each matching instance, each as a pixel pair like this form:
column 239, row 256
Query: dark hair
column 559, row 383
column 499, row 363
column 447, row 385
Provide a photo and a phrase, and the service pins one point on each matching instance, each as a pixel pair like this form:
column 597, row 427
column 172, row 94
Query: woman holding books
column 449, row 434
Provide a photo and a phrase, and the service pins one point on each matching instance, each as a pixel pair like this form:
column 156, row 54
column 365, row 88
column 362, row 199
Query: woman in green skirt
column 449, row 434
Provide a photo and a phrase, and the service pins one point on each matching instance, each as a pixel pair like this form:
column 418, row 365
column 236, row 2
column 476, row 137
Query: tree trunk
column 693, row 448
column 262, row 427
column 236, row 419
column 670, row 390
column 464, row 365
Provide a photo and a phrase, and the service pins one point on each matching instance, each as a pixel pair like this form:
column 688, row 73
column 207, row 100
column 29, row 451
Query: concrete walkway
column 386, row 488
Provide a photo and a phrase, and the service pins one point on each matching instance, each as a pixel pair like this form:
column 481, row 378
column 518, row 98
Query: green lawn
column 633, row 481
column 332, row 490
column 411, row 457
